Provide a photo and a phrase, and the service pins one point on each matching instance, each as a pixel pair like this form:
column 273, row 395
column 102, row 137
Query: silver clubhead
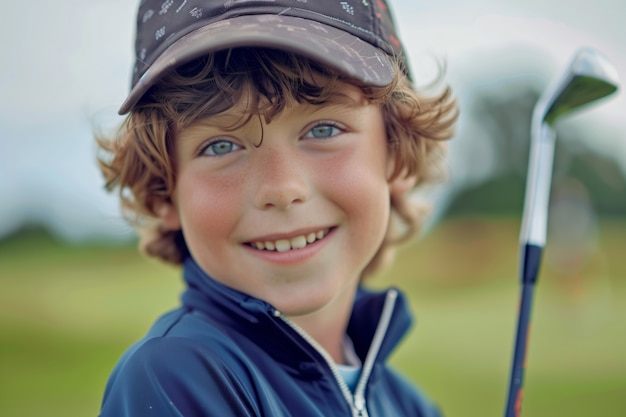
column 589, row 77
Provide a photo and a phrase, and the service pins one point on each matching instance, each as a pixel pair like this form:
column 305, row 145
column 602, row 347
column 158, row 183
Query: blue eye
column 323, row 131
column 220, row 147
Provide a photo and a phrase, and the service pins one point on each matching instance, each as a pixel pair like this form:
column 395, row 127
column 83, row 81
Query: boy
column 269, row 149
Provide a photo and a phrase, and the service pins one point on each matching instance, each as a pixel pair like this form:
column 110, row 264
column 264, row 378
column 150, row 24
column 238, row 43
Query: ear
column 168, row 214
column 402, row 184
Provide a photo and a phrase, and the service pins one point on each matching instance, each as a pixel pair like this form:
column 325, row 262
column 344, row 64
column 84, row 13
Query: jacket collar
column 256, row 319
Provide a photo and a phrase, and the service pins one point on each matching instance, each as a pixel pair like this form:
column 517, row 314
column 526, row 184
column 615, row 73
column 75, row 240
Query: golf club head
column 589, row 77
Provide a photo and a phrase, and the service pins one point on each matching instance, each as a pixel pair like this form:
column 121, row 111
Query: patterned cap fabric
column 356, row 37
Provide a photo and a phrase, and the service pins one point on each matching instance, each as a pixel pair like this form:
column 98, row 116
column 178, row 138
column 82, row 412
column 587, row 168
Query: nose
column 281, row 178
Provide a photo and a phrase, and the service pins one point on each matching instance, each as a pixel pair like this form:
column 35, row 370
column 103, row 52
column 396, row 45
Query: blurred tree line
column 504, row 113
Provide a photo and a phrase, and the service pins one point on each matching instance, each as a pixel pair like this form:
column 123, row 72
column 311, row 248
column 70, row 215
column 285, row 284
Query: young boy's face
column 296, row 219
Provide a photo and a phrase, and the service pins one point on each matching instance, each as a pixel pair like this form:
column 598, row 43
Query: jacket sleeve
column 173, row 377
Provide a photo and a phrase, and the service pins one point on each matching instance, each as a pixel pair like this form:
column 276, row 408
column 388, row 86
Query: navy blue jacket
column 226, row 354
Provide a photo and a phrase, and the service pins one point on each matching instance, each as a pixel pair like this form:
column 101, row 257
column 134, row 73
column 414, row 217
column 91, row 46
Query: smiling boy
column 269, row 149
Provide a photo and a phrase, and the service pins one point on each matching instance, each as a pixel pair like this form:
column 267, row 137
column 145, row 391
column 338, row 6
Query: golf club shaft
column 531, row 259
column 532, row 240
column 538, row 184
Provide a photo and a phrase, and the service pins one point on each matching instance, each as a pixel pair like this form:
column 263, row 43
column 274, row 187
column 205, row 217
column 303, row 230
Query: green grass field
column 68, row 312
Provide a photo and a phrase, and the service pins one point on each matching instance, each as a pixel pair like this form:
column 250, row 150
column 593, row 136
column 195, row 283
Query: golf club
column 589, row 77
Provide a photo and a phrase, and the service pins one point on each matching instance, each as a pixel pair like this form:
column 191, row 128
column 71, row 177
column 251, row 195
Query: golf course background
column 67, row 312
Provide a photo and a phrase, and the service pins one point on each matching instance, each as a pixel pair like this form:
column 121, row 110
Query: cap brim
column 325, row 44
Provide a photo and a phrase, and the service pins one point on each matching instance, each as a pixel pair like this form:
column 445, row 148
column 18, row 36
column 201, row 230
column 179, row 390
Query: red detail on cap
column 394, row 40
column 381, row 5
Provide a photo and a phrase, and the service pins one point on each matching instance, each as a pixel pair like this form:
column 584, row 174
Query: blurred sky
column 66, row 63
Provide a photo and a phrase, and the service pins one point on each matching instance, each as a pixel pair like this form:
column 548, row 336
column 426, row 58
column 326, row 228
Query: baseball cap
column 356, row 37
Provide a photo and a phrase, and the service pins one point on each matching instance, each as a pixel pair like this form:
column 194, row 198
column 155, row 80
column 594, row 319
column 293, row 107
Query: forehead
column 252, row 102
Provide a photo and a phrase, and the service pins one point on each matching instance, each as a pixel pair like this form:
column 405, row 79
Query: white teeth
column 284, row 245
column 298, row 242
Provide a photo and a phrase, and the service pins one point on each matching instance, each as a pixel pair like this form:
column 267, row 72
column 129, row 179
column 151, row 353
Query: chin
column 308, row 302
column 299, row 308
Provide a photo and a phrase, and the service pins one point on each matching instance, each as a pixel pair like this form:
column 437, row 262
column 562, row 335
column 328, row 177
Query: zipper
column 329, row 361
column 379, row 335
column 357, row 401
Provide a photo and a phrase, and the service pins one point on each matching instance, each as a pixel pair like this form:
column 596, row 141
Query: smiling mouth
column 284, row 245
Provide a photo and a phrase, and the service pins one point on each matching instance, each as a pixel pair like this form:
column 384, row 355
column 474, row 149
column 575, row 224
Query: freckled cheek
column 358, row 184
column 208, row 208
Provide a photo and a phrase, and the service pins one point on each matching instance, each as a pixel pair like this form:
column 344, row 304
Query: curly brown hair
column 138, row 160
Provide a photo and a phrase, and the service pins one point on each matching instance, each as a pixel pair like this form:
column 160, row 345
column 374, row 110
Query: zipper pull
column 359, row 406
